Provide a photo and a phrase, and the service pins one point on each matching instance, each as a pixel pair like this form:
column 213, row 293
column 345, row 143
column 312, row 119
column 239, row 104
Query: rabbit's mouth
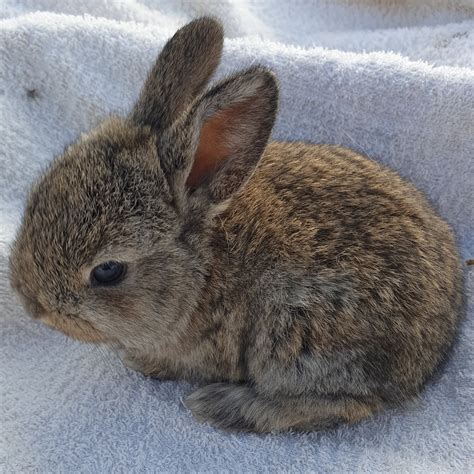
column 74, row 327
column 71, row 325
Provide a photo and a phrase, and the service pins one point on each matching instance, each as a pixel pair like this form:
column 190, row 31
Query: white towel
column 391, row 79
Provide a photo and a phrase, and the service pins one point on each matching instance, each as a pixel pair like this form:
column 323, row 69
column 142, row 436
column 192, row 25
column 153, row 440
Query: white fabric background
column 392, row 79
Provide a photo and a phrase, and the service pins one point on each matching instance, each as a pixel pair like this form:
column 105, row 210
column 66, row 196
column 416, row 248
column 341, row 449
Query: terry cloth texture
column 391, row 79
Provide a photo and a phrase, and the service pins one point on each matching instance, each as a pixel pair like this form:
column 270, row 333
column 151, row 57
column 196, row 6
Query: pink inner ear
column 214, row 144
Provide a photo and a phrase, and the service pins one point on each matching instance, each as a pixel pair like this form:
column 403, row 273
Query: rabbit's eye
column 108, row 273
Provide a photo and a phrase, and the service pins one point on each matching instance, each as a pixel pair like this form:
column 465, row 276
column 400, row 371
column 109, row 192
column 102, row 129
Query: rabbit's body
column 347, row 321
column 314, row 288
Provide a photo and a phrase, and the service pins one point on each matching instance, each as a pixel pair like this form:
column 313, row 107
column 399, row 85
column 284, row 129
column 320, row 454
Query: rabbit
column 302, row 286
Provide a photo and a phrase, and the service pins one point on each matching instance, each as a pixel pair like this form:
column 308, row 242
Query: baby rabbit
column 304, row 284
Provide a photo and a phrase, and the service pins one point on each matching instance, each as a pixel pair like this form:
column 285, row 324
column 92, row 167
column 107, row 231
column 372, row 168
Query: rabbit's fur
column 314, row 288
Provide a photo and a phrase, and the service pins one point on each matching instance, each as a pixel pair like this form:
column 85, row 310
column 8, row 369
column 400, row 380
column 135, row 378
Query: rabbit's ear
column 180, row 73
column 216, row 146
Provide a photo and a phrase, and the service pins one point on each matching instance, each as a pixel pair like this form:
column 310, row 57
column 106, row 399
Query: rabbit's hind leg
column 239, row 407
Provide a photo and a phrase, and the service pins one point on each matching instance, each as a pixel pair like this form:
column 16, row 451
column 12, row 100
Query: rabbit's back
column 355, row 260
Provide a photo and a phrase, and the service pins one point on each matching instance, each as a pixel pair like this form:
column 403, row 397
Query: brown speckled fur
column 315, row 288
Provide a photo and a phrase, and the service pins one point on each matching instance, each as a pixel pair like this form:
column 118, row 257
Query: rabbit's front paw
column 132, row 362
column 147, row 367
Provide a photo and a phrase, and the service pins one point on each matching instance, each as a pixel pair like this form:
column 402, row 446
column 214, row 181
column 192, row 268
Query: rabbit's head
column 113, row 244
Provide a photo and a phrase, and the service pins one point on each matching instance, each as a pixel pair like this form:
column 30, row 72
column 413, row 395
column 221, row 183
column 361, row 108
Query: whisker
column 357, row 145
column 105, row 356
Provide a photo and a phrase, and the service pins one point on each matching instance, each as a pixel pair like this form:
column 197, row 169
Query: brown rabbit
column 306, row 285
